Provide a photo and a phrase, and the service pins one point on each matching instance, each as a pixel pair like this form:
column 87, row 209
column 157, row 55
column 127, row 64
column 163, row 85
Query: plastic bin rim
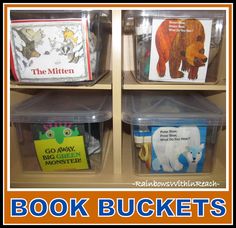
column 95, row 117
column 152, row 120
column 169, row 13
column 65, row 11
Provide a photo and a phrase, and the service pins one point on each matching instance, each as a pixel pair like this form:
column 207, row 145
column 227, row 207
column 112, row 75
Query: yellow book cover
column 61, row 148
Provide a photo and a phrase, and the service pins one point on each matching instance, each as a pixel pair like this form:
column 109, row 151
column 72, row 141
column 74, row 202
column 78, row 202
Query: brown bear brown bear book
column 180, row 41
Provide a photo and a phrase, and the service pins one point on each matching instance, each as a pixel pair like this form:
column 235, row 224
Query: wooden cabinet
column 118, row 170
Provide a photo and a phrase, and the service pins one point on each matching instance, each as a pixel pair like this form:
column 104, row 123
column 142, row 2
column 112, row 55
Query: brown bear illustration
column 180, row 41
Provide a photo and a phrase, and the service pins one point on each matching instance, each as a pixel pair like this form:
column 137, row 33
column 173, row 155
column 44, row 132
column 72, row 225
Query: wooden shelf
column 106, row 178
column 103, row 84
column 117, row 171
column 131, row 84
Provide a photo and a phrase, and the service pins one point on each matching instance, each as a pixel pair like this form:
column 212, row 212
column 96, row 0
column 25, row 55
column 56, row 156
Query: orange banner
column 79, row 207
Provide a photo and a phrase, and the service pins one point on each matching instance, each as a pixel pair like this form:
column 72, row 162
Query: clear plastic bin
column 173, row 133
column 60, row 46
column 176, row 46
column 62, row 130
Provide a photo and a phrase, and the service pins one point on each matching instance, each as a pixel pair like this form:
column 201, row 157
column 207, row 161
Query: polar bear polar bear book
column 170, row 142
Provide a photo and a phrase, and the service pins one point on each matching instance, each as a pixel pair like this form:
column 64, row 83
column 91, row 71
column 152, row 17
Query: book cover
column 180, row 50
column 60, row 146
column 50, row 50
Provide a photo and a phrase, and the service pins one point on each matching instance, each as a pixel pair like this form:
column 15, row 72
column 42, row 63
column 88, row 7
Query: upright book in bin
column 50, row 50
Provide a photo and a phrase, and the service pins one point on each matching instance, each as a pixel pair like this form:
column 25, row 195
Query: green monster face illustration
column 58, row 132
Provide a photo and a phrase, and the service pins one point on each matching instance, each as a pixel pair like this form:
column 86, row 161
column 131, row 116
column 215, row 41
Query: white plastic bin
column 60, row 46
column 173, row 133
column 176, row 46
column 62, row 130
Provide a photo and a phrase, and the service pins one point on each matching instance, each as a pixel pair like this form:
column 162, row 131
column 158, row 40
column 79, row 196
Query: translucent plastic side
column 93, row 142
column 139, row 23
column 146, row 159
column 99, row 35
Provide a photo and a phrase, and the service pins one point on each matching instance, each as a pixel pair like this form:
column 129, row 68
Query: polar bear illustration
column 193, row 156
column 168, row 149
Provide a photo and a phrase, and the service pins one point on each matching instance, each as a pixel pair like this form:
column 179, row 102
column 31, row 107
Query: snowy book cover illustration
column 178, row 149
column 50, row 50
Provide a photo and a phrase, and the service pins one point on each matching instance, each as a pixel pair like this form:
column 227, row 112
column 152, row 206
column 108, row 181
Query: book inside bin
column 172, row 133
column 62, row 131
column 60, row 46
column 176, row 46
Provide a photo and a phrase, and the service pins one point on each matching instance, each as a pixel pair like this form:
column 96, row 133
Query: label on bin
column 70, row 154
column 179, row 50
column 51, row 50
column 178, row 149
